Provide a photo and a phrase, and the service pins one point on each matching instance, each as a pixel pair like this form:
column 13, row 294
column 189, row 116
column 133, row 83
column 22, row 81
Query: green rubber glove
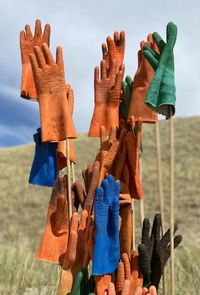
column 126, row 90
column 80, row 285
column 161, row 95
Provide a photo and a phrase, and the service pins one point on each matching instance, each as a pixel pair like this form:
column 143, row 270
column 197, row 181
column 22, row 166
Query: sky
column 80, row 27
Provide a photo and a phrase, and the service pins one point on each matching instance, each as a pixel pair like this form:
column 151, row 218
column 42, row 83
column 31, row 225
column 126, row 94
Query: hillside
column 23, row 206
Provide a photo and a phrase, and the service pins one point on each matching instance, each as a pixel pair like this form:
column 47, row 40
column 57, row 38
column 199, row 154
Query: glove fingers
column 28, row 32
column 171, row 34
column 159, row 41
column 46, row 34
column 120, row 278
column 59, row 57
column 156, row 227
column 47, row 54
column 145, row 231
column 38, row 29
column 127, row 267
column 111, row 289
column 40, row 57
column 126, row 287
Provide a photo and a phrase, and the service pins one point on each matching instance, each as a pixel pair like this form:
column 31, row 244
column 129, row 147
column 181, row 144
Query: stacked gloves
column 100, row 228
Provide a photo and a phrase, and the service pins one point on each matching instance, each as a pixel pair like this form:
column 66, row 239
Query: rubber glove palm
column 106, row 213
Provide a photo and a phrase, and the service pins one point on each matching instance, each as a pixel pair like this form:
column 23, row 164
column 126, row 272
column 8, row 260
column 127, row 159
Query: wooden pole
column 159, row 171
column 73, row 172
column 142, row 200
column 69, row 180
column 133, row 225
column 171, row 136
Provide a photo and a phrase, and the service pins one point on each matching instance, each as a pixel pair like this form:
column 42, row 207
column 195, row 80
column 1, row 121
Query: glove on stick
column 140, row 85
column 133, row 140
column 106, row 212
column 125, row 97
column 61, row 150
column 125, row 234
column 107, row 91
column 161, row 94
column 44, row 167
column 132, row 271
column 27, row 43
column 55, row 237
column 94, row 180
column 67, row 274
column 55, row 116
column 114, row 50
column 161, row 251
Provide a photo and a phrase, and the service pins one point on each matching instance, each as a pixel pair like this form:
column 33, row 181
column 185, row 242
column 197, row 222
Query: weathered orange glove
column 55, row 237
column 141, row 82
column 115, row 49
column 125, row 233
column 61, row 149
column 78, row 194
column 92, row 186
column 108, row 151
column 122, row 285
column 27, row 43
column 133, row 141
column 107, row 90
column 145, row 291
column 102, row 283
column 67, row 273
column 55, row 116
column 132, row 271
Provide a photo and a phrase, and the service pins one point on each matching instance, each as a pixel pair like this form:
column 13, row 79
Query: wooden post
column 142, row 200
column 159, row 171
column 171, row 136
column 69, row 179
column 73, row 172
column 133, row 225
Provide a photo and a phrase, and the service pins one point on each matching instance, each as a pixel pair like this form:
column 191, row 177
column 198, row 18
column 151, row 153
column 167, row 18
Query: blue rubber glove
column 106, row 213
column 44, row 166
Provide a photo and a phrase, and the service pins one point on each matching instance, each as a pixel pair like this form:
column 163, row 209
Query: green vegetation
column 23, row 208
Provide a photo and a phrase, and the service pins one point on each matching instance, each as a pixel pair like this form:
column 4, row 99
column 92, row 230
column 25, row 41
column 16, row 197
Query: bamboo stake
column 160, row 188
column 159, row 170
column 69, row 180
column 142, row 200
column 133, row 225
column 171, row 131
column 73, row 172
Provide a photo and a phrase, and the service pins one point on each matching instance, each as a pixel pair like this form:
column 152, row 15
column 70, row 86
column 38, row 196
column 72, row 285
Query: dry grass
column 23, row 208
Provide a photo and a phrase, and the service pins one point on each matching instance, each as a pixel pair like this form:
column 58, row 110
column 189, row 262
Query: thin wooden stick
column 160, row 189
column 73, row 172
column 142, row 200
column 69, row 179
column 133, row 225
column 159, row 171
column 171, row 131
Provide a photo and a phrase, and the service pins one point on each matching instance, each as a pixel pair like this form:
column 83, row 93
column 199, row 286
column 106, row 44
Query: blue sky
column 80, row 27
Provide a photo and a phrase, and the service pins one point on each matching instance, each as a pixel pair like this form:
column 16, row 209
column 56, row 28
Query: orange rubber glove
column 140, row 86
column 145, row 291
column 125, row 233
column 133, row 140
column 93, row 184
column 61, row 149
column 102, row 283
column 67, row 273
column 115, row 49
column 27, row 43
column 125, row 290
column 55, row 116
column 55, row 237
column 107, row 91
column 132, row 271
column 79, row 194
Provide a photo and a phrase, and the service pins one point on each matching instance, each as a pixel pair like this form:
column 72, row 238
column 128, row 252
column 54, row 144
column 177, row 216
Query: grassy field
column 23, row 208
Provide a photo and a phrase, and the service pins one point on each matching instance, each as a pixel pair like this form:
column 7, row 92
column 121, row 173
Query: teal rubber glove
column 106, row 214
column 126, row 92
column 82, row 286
column 161, row 95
